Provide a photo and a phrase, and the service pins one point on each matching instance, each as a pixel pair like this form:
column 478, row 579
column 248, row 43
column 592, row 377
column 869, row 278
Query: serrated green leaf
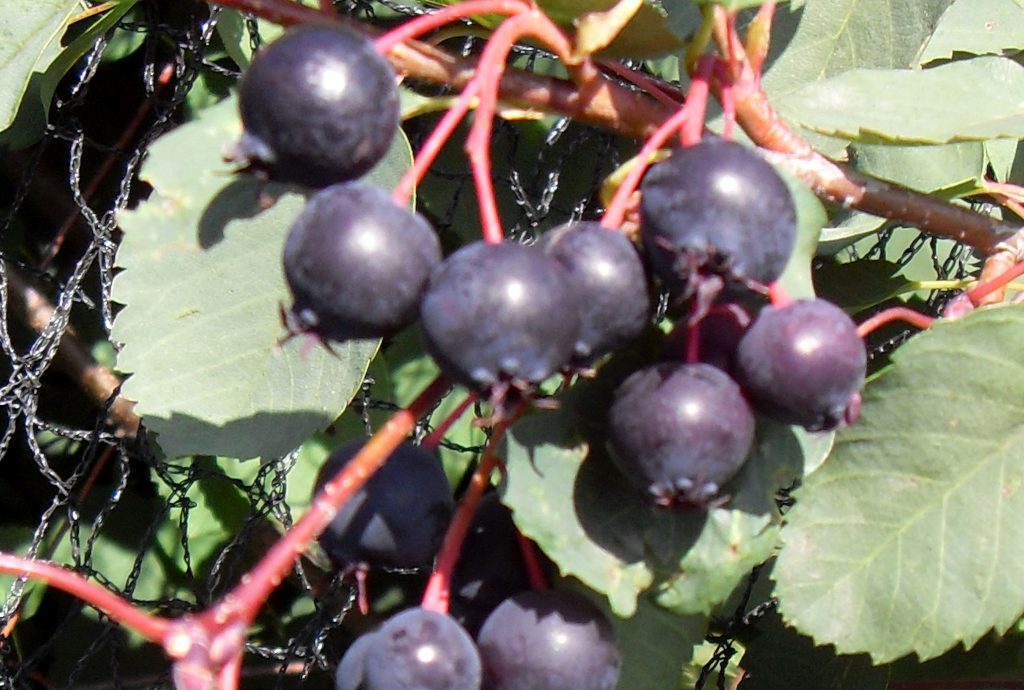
column 908, row 539
column 969, row 100
column 977, row 27
column 202, row 284
column 568, row 497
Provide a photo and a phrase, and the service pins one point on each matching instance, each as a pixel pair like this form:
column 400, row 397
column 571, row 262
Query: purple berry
column 680, row 432
column 319, row 106
column 803, row 364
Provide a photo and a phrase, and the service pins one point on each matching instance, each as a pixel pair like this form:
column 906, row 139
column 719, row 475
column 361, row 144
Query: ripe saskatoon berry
column 551, row 640
column 357, row 263
column 680, row 431
column 416, row 649
column 490, row 567
column 319, row 106
column 803, row 364
column 398, row 518
column 716, row 208
column 500, row 314
column 609, row 277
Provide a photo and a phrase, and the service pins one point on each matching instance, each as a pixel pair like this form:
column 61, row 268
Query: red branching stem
column 152, row 628
column 434, row 438
column 415, row 28
column 978, row 293
column 912, row 317
column 435, row 142
column 693, row 111
column 728, row 112
column 245, row 600
column 534, row 571
column 228, row 677
column 491, row 67
column 438, row 593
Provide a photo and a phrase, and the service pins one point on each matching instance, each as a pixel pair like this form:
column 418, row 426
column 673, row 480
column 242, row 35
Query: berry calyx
column 716, row 209
column 319, row 106
column 552, row 640
column 398, row 518
column 803, row 364
column 680, row 432
column 606, row 271
column 357, row 263
column 500, row 315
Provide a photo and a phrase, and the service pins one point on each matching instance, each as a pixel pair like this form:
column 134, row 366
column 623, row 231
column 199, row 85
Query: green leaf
column 829, row 37
column 655, row 645
column 568, row 497
column 970, row 100
column 29, row 34
column 858, row 285
column 1002, row 155
column 924, row 168
column 907, row 539
column 977, row 27
column 202, row 284
column 810, row 219
column 779, row 658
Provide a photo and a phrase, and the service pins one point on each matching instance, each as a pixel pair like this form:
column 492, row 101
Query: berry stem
column 434, row 438
column 988, row 286
column 415, row 28
column 438, row 593
column 490, row 69
column 696, row 104
column 912, row 317
column 434, row 143
column 534, row 571
column 244, row 601
column 152, row 628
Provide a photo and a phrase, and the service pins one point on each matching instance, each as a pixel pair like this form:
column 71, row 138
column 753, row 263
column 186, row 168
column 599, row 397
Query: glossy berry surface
column 551, row 640
column 803, row 364
column 680, row 431
column 318, row 105
column 490, row 567
column 357, row 263
column 605, row 268
column 416, row 649
column 500, row 313
column 716, row 208
column 398, row 518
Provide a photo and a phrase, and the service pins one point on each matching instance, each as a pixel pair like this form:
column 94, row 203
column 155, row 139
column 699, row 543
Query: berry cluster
column 717, row 228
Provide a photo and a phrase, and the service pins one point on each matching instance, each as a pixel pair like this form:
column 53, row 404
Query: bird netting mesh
column 82, row 492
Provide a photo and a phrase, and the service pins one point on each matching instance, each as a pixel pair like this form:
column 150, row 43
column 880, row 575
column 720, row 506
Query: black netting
column 69, row 479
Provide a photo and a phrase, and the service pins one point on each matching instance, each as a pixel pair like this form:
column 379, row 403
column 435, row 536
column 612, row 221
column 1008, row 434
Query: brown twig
column 96, row 380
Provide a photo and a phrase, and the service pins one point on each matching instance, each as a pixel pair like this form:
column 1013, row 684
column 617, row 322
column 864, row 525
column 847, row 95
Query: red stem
column 653, row 87
column 434, row 438
column 434, row 143
column 438, row 592
column 894, row 314
column 491, row 67
column 696, row 104
column 982, row 290
column 414, row 28
column 244, row 601
column 538, row 581
column 152, row 628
